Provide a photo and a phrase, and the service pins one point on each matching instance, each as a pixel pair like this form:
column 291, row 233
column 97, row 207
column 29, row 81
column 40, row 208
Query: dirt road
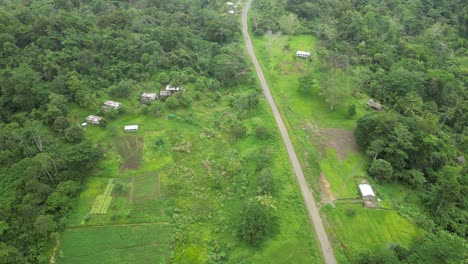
column 315, row 220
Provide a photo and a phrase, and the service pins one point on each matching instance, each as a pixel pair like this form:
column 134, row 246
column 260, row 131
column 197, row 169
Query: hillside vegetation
column 204, row 180
column 410, row 56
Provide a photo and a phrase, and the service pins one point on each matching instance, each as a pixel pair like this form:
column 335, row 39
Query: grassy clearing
column 198, row 191
column 115, row 244
column 321, row 138
column 359, row 228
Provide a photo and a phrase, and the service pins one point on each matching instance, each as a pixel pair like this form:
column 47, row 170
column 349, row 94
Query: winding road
column 314, row 216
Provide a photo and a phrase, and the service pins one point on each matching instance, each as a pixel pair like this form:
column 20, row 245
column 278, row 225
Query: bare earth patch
column 341, row 140
column 326, row 193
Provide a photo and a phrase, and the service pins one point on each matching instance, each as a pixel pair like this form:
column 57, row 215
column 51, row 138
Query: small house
column 84, row 125
column 131, row 128
column 230, row 4
column 302, row 54
column 111, row 104
column 173, row 89
column 374, row 105
column 231, row 12
column 165, row 93
column 148, row 97
column 92, row 119
column 368, row 195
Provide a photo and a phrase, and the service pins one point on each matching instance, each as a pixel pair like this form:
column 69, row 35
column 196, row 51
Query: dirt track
column 314, row 216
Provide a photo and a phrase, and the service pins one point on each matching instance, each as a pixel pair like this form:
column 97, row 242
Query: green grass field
column 115, row 244
column 198, row 192
column 323, row 139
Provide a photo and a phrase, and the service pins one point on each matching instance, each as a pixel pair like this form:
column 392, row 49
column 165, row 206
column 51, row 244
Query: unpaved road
column 314, row 216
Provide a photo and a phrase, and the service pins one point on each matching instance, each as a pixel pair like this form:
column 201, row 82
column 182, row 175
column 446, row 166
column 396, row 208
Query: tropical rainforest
column 409, row 55
column 55, row 54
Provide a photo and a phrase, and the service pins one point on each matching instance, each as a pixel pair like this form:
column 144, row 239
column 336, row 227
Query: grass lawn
column 115, row 244
column 326, row 147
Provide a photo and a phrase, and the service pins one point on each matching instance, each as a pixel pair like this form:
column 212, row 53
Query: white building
column 173, row 88
column 147, row 97
column 92, row 119
column 230, row 4
column 131, row 128
column 302, row 54
column 366, row 190
column 231, row 12
column 112, row 104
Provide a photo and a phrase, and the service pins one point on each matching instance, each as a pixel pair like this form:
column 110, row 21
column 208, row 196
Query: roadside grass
column 343, row 175
column 115, row 244
column 366, row 229
column 359, row 228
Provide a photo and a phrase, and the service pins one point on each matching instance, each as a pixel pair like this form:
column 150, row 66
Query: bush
column 350, row 212
column 74, row 134
column 172, row 103
column 255, row 223
column 265, row 184
column 261, row 132
column 184, row 99
column 381, row 169
column 351, row 110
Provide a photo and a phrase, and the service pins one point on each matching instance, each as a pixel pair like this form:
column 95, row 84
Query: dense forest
column 60, row 54
column 410, row 56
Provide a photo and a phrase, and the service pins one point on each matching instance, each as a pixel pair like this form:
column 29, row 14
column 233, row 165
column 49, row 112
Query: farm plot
column 140, row 243
column 130, row 149
column 145, row 197
column 102, row 202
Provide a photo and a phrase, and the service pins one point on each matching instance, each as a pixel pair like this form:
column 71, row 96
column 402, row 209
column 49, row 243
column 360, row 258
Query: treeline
column 411, row 56
column 57, row 53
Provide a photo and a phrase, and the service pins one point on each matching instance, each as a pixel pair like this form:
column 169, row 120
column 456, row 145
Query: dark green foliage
column 122, row 89
column 61, row 123
column 441, row 248
column 265, row 183
column 381, row 170
column 74, row 134
column 351, row 110
column 172, row 103
column 238, row 130
column 255, row 224
column 184, row 99
column 261, row 132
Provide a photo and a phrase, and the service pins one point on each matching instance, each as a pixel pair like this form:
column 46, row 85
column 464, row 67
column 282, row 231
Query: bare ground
column 326, row 193
column 341, row 140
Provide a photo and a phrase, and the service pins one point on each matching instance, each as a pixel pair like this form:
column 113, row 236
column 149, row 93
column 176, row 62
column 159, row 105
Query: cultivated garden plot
column 102, row 202
column 126, row 243
column 130, row 149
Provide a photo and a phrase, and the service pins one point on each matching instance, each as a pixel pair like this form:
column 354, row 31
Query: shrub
column 352, row 110
column 261, row 132
column 265, row 184
column 255, row 223
column 381, row 169
column 172, row 103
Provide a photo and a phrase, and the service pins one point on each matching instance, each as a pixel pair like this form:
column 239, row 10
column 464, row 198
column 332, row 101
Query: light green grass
column 115, row 244
column 212, row 211
column 344, row 175
column 369, row 229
